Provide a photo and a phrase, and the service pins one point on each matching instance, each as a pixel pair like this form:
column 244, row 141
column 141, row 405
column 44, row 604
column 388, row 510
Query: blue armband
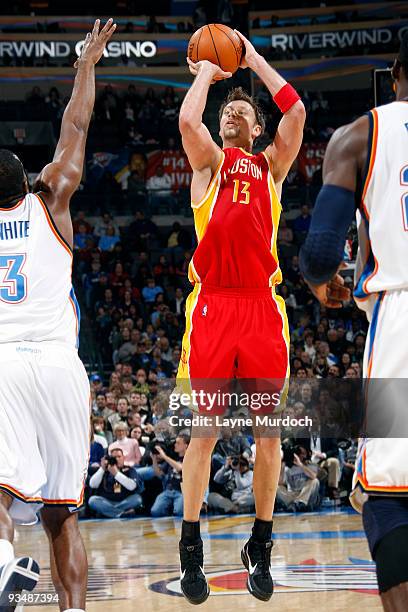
column 323, row 250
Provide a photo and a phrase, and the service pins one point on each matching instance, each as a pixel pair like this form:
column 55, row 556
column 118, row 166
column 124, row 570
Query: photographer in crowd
column 170, row 501
column 229, row 446
column 118, row 487
column 236, row 495
column 298, row 489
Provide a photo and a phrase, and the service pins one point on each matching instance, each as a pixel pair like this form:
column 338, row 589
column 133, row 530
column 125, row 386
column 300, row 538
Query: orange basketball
column 218, row 44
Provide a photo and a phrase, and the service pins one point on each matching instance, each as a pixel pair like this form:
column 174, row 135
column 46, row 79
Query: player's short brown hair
column 240, row 94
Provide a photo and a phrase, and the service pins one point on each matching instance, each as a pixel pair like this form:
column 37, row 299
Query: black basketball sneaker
column 256, row 556
column 192, row 579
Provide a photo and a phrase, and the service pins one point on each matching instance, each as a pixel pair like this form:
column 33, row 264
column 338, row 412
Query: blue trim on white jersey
column 374, row 322
column 78, row 312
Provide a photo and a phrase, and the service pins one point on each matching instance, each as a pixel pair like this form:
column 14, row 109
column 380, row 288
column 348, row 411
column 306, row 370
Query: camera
column 165, row 444
column 289, row 450
column 111, row 460
column 235, row 461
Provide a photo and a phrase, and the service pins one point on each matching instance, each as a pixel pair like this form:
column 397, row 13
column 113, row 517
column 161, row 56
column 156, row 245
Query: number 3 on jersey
column 13, row 283
column 241, row 191
column 404, row 199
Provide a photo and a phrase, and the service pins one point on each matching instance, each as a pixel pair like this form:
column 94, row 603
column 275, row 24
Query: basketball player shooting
column 235, row 323
column 376, row 177
column 44, row 389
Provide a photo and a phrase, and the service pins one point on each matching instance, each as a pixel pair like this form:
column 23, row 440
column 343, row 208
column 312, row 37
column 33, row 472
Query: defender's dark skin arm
column 60, row 179
column 344, row 162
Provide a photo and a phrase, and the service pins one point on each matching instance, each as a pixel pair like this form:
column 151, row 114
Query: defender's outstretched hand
column 206, row 66
column 250, row 55
column 95, row 42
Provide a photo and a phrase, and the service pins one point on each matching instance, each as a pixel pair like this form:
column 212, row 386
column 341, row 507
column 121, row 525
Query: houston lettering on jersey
column 11, row 230
column 244, row 166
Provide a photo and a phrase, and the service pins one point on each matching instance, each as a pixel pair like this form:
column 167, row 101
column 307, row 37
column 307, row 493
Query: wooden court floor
column 320, row 562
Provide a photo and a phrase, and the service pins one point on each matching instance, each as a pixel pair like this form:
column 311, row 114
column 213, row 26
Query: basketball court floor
column 320, row 562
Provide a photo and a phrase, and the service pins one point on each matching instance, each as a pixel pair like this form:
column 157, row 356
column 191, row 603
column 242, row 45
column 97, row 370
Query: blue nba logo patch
column 204, row 311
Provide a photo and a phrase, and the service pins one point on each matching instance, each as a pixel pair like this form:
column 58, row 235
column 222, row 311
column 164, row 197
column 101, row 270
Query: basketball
column 218, row 44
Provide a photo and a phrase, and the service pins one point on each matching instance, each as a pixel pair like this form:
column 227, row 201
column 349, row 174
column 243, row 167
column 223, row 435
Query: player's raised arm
column 202, row 152
column 286, row 144
column 63, row 175
column 334, row 210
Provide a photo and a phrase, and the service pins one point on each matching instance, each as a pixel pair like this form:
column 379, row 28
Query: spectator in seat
column 81, row 237
column 298, row 488
column 293, row 272
column 99, row 404
column 99, row 432
column 177, row 305
column 96, row 454
column 137, row 434
column 108, row 242
column 301, row 224
column 324, row 453
column 80, row 219
column 140, row 233
column 141, row 385
column 96, row 384
column 128, row 446
column 159, row 187
column 118, row 277
column 118, row 487
column 170, row 501
column 150, row 291
column 121, row 413
column 102, row 226
column 236, row 478
column 175, row 358
column 129, row 347
column 142, row 358
column 160, row 364
column 285, row 240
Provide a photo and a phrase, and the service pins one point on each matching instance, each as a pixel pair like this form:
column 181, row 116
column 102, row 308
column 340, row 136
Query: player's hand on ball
column 249, row 54
column 206, row 66
column 95, row 42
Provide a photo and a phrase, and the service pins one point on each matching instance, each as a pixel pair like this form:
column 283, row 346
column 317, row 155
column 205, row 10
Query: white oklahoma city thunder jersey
column 383, row 215
column 37, row 300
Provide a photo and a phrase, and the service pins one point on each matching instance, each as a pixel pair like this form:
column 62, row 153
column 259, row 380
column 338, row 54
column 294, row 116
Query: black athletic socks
column 262, row 530
column 190, row 533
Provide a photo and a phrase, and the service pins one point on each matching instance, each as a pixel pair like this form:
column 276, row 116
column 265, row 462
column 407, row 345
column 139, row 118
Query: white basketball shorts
column 44, row 426
column 381, row 465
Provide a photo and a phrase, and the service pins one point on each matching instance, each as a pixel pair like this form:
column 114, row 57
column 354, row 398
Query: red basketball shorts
column 234, row 333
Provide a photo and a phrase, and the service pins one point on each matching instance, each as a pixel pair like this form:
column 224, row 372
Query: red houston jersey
column 236, row 224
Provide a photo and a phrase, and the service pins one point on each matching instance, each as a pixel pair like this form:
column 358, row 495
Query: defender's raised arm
column 62, row 176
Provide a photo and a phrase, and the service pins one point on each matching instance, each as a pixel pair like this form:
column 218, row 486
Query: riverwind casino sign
column 338, row 39
column 61, row 49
